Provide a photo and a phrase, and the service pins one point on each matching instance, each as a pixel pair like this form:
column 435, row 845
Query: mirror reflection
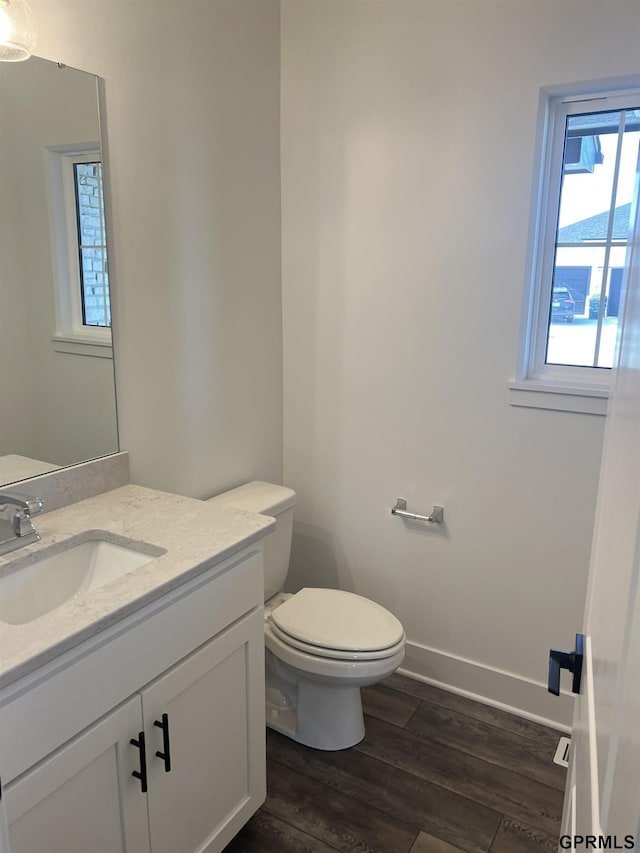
column 57, row 390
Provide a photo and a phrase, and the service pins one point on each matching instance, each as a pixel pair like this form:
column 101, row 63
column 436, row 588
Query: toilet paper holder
column 436, row 517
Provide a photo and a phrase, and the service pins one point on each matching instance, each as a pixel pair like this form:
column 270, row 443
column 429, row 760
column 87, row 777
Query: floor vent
column 562, row 752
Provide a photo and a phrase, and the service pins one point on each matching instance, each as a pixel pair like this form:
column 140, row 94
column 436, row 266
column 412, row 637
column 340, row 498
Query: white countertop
column 195, row 535
column 14, row 468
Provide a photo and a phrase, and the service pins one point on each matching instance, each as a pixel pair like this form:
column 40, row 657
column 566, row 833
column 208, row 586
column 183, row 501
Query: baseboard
column 506, row 690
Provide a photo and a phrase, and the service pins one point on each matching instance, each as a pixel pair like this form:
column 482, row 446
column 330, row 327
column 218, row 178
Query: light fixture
column 17, row 31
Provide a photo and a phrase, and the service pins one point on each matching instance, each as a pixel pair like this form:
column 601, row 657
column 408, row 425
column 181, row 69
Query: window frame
column 537, row 384
column 71, row 334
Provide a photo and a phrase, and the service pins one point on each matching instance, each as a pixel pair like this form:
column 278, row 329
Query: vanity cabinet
column 214, row 749
column 83, row 798
column 201, row 774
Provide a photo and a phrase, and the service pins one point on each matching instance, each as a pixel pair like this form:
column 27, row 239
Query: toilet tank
column 267, row 499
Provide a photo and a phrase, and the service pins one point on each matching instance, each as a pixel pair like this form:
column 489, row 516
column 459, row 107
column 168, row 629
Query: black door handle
column 142, row 773
column 166, row 751
column 566, row 660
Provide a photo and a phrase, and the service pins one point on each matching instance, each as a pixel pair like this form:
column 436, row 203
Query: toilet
column 321, row 645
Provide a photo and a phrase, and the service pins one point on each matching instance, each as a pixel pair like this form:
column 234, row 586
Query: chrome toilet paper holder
column 436, row 517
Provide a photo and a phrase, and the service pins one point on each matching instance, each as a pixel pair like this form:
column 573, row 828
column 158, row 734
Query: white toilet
column 322, row 645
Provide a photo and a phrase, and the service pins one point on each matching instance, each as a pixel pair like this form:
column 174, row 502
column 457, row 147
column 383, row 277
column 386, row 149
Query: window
column 92, row 243
column 584, row 214
column 83, row 308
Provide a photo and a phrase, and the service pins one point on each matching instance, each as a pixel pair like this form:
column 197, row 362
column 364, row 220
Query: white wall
column 54, row 406
column 407, row 155
column 192, row 120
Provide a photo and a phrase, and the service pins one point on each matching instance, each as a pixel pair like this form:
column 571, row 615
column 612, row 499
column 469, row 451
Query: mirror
column 57, row 388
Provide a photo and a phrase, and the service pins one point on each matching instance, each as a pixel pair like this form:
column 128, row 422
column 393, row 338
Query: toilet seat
column 337, row 624
column 335, row 654
column 333, row 671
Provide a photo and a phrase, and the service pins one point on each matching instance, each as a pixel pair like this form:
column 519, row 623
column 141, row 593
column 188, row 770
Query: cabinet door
column 83, row 798
column 214, row 706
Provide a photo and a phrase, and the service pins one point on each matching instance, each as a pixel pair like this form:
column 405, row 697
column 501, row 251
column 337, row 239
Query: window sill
column 559, row 398
column 80, row 345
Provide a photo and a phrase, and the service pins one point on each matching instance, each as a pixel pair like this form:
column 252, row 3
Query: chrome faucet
column 16, row 527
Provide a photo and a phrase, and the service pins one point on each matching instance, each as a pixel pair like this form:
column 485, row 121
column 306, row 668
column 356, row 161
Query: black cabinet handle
column 142, row 773
column 566, row 660
column 166, row 749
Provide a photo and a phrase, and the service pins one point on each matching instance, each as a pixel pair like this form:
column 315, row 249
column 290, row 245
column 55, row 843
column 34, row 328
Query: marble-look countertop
column 193, row 534
column 14, row 467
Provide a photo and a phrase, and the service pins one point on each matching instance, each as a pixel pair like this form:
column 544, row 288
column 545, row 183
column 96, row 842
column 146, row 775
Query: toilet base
column 320, row 716
column 316, row 700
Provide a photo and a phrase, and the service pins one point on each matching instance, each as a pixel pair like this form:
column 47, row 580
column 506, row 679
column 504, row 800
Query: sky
column 587, row 194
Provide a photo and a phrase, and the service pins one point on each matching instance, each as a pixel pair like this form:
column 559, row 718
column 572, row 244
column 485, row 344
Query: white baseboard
column 505, row 690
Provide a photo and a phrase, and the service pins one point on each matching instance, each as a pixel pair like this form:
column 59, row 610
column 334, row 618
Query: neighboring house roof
column 607, row 122
column 595, row 227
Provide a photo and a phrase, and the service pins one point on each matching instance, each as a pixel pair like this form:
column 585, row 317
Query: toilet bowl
column 321, row 645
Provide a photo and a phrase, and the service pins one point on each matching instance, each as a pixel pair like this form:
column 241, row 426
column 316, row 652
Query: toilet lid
column 334, row 619
column 336, row 654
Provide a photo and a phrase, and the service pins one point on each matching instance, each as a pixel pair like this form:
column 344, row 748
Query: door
column 603, row 791
column 615, row 284
column 204, row 721
column 576, row 280
column 83, row 798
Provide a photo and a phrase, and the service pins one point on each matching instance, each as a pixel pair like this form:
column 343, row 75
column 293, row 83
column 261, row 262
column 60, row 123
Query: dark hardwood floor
column 435, row 773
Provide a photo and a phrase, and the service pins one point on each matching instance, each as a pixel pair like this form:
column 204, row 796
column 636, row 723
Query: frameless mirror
column 57, row 388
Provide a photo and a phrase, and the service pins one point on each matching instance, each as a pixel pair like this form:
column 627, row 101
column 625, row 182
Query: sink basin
column 39, row 587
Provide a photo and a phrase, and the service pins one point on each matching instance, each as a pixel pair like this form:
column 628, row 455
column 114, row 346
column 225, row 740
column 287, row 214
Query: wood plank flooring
column 435, row 773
